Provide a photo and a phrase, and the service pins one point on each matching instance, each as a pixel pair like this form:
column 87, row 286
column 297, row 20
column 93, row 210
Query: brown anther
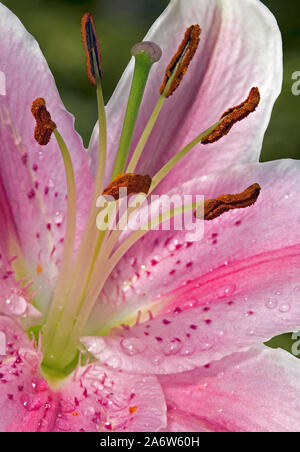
column 181, row 60
column 213, row 208
column 44, row 124
column 134, row 184
column 92, row 48
column 233, row 115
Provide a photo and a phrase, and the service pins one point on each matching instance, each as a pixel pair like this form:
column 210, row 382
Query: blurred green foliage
column 120, row 24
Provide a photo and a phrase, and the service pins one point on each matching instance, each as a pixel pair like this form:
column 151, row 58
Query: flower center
column 83, row 274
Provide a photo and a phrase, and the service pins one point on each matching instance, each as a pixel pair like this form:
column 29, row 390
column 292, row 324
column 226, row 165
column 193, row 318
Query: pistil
column 146, row 54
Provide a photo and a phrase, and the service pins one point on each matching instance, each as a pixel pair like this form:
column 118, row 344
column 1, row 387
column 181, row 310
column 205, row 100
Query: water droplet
column 89, row 411
column 205, row 346
column 50, row 183
column 31, row 403
column 173, row 347
column 250, row 332
column 58, row 218
column 132, row 346
column 16, row 304
column 187, row 350
column 67, row 407
column 227, row 291
column 271, row 304
column 284, row 307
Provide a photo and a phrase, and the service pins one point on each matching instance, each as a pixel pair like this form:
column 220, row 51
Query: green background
column 120, row 24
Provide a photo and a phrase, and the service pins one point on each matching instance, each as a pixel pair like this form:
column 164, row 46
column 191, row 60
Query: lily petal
column 236, row 287
column 257, row 391
column 240, row 47
column 33, row 177
column 94, row 398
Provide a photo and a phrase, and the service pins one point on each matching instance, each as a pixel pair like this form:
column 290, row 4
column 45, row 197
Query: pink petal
column 94, row 399
column 106, row 400
column 33, row 177
column 236, row 287
column 240, row 48
column 257, row 391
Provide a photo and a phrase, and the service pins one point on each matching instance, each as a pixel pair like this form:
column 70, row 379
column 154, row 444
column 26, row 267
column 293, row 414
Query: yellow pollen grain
column 39, row 269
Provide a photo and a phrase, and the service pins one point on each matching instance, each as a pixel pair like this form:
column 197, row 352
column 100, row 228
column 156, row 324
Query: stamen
column 146, row 54
column 213, row 208
column 181, row 60
column 233, row 115
column 44, row 124
column 91, row 48
column 134, row 183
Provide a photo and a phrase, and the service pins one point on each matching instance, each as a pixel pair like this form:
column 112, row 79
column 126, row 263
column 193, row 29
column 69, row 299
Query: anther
column 181, row 60
column 44, row 124
column 91, row 47
column 233, row 115
column 133, row 183
column 213, row 208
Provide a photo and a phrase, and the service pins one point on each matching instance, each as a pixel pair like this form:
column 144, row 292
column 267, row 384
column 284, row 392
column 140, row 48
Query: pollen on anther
column 181, row 60
column 213, row 208
column 133, row 183
column 91, row 47
column 44, row 124
column 233, row 115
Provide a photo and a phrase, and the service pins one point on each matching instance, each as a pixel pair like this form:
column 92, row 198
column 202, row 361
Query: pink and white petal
column 240, row 47
column 32, row 176
column 236, row 287
column 257, row 391
column 95, row 398
column 24, row 395
column 100, row 399
column 15, row 301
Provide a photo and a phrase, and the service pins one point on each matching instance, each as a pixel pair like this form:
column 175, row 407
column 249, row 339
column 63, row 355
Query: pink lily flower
column 164, row 334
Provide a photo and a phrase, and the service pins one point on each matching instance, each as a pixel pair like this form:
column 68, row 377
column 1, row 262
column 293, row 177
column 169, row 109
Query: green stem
column 140, row 76
column 66, row 264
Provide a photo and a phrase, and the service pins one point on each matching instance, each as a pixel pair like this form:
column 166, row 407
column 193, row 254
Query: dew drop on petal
column 16, row 304
column 173, row 347
column 205, row 346
column 89, row 411
column 271, row 303
column 132, row 346
column 58, row 218
column 227, row 291
column 187, row 350
column 67, row 407
column 31, row 403
column 284, row 307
